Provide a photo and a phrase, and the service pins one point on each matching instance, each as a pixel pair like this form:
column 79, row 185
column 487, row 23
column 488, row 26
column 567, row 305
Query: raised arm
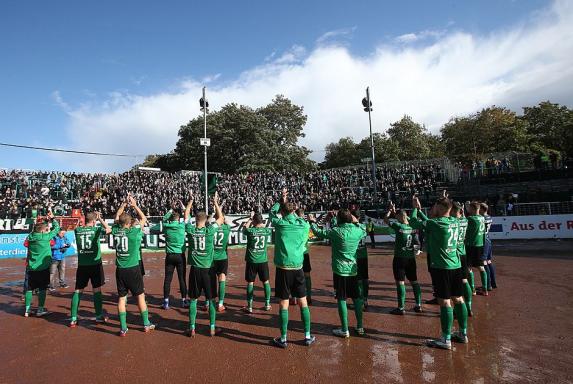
column 249, row 222
column 55, row 225
column 140, row 214
column 218, row 212
column 391, row 211
column 168, row 215
column 188, row 208
column 318, row 232
column 120, row 211
column 273, row 214
column 105, row 225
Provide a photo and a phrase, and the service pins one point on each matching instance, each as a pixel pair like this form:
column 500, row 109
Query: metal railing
column 544, row 208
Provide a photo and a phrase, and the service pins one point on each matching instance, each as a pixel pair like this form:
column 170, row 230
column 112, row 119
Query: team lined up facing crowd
column 447, row 231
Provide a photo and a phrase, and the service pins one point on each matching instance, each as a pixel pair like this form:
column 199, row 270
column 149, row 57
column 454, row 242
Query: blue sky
column 118, row 76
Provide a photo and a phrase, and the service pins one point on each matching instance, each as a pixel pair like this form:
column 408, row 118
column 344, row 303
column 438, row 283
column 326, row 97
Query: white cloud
column 408, row 38
column 455, row 73
column 332, row 36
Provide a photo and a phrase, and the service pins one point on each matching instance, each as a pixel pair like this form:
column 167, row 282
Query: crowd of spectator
column 29, row 193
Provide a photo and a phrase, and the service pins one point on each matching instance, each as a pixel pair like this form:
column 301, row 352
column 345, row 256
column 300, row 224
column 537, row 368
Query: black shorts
column 475, row 256
column 93, row 273
column 306, row 267
column 404, row 267
column 221, row 266
column 345, row 287
column 38, row 279
column 254, row 269
column 448, row 283
column 129, row 280
column 362, row 268
column 202, row 280
column 465, row 268
column 141, row 267
column 289, row 282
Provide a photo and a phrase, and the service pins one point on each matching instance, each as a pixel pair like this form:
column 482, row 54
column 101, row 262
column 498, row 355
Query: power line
column 69, row 151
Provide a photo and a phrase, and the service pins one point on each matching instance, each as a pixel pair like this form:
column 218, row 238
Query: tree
column 341, row 154
column 243, row 139
column 412, row 139
column 551, row 126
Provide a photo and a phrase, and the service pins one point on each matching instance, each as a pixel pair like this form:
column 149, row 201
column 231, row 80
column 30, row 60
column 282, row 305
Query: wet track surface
column 522, row 333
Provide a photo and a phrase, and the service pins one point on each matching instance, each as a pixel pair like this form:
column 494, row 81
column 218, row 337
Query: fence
column 545, row 208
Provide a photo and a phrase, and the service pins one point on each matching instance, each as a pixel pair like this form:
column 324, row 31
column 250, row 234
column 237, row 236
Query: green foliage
column 550, row 126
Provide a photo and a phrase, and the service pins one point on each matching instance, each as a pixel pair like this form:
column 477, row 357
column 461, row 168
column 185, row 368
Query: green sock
column 483, row 276
column 417, row 294
column 145, row 317
column 75, row 305
column 28, row 300
column 283, row 315
column 267, row 293
column 221, row 292
column 446, row 320
column 41, row 299
column 98, row 303
column 401, row 289
column 250, row 293
column 308, row 281
column 462, row 317
column 343, row 313
column 361, row 288
column 123, row 320
column 192, row 313
column 358, row 310
column 471, row 280
column 305, row 317
column 468, row 296
column 212, row 314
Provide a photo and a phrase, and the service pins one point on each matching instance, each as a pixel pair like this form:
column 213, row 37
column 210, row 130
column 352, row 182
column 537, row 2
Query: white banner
column 532, row 227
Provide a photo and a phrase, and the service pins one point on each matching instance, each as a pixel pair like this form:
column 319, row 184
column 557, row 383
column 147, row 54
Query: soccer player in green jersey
column 306, row 266
column 221, row 260
column 256, row 258
column 362, row 262
column 291, row 234
column 344, row 240
column 474, row 244
column 202, row 277
column 174, row 231
column 127, row 242
column 404, row 262
column 39, row 261
column 442, row 235
column 458, row 213
column 90, row 268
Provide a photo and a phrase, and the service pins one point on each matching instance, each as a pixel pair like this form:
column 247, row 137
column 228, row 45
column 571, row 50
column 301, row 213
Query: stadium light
column 367, row 104
column 205, row 142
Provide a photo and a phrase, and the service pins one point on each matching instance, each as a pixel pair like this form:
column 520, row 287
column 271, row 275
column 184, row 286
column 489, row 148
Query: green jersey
column 87, row 242
column 442, row 240
column 39, row 248
column 403, row 246
column 291, row 235
column 174, row 234
column 221, row 241
column 201, row 245
column 463, row 226
column 344, row 239
column 127, row 242
column 475, row 232
column 257, row 241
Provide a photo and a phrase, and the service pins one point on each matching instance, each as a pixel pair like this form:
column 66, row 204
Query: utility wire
column 69, row 151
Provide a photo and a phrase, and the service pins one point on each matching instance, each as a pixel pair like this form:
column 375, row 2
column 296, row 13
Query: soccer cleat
column 221, row 308
column 214, row 331
column 433, row 301
column 474, row 292
column 64, row 286
column 440, row 343
column 52, row 289
column 279, row 342
column 360, row 331
column 459, row 337
column 101, row 319
column 340, row 333
column 149, row 327
column 309, row 340
column 165, row 305
column 267, row 308
column 73, row 323
column 398, row 311
column 190, row 333
column 26, row 314
column 483, row 292
column 248, row 310
column 122, row 332
column 42, row 312
column 418, row 309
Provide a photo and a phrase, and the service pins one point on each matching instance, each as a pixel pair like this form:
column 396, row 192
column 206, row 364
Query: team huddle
column 455, row 245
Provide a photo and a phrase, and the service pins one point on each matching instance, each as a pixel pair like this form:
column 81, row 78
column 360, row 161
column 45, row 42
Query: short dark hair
column 344, row 216
column 444, row 202
column 90, row 216
column 258, row 219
